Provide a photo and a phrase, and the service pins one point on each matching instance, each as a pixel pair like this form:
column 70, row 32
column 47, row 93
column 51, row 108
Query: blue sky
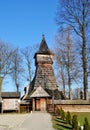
column 22, row 22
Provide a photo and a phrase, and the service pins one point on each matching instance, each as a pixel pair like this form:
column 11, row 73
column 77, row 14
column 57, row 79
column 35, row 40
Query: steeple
column 43, row 46
column 43, row 49
column 43, row 55
column 44, row 75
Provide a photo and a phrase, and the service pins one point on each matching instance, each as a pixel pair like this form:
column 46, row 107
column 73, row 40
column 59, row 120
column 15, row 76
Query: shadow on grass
column 53, row 114
column 61, row 124
column 60, row 120
column 64, row 126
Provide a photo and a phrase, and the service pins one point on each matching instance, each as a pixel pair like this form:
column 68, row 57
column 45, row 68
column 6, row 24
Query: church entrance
column 43, row 104
column 40, row 104
column 39, row 99
column 37, row 104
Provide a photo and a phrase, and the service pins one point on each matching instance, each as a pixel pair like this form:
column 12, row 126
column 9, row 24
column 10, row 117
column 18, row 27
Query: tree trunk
column 1, row 80
column 68, row 66
column 84, row 62
column 69, row 84
column 63, row 81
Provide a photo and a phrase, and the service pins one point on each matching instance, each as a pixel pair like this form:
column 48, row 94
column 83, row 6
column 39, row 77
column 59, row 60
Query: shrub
column 58, row 111
column 75, row 122
column 68, row 117
column 86, row 124
column 62, row 114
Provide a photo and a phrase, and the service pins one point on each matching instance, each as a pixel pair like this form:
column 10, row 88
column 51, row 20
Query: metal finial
column 43, row 36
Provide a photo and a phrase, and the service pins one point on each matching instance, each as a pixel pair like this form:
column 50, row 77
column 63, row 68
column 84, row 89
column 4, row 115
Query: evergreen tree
column 86, row 124
column 62, row 114
column 68, row 117
column 58, row 111
column 75, row 122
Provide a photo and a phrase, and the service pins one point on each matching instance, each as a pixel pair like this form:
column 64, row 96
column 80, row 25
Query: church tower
column 44, row 75
column 43, row 89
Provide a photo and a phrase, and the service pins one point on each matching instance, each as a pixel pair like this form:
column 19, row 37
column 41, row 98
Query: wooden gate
column 43, row 104
column 37, row 104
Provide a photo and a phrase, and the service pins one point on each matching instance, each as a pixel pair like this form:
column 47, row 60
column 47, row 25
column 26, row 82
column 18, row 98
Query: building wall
column 10, row 104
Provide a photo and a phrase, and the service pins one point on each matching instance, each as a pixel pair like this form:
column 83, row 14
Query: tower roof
column 44, row 47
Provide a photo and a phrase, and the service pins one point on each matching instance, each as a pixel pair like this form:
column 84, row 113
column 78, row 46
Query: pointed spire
column 43, row 49
column 43, row 46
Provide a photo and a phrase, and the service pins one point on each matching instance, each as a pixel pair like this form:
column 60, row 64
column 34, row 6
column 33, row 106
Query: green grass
column 59, row 124
column 81, row 116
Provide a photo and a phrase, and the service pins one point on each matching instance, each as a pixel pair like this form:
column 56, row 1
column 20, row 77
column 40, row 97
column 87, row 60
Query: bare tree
column 59, row 66
column 66, row 59
column 6, row 54
column 76, row 14
column 17, row 68
column 28, row 54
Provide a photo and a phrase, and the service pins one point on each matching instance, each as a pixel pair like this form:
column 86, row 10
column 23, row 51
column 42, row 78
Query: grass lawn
column 81, row 116
column 59, row 124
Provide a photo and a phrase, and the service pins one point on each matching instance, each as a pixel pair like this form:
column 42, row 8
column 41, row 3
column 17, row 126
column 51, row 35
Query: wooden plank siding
column 10, row 101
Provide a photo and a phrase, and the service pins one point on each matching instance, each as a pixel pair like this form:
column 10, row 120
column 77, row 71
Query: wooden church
column 43, row 89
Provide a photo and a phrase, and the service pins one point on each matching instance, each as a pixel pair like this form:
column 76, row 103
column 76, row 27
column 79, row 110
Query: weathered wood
column 44, row 75
column 10, row 101
column 39, row 92
column 44, row 79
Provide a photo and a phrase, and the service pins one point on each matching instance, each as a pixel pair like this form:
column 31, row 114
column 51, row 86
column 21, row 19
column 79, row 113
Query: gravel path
column 8, row 121
column 32, row 121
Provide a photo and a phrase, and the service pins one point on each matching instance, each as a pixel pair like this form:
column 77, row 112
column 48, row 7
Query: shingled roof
column 39, row 92
column 10, row 94
column 43, row 47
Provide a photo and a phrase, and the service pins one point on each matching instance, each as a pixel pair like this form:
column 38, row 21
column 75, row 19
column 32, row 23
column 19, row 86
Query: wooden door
column 43, row 104
column 37, row 104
